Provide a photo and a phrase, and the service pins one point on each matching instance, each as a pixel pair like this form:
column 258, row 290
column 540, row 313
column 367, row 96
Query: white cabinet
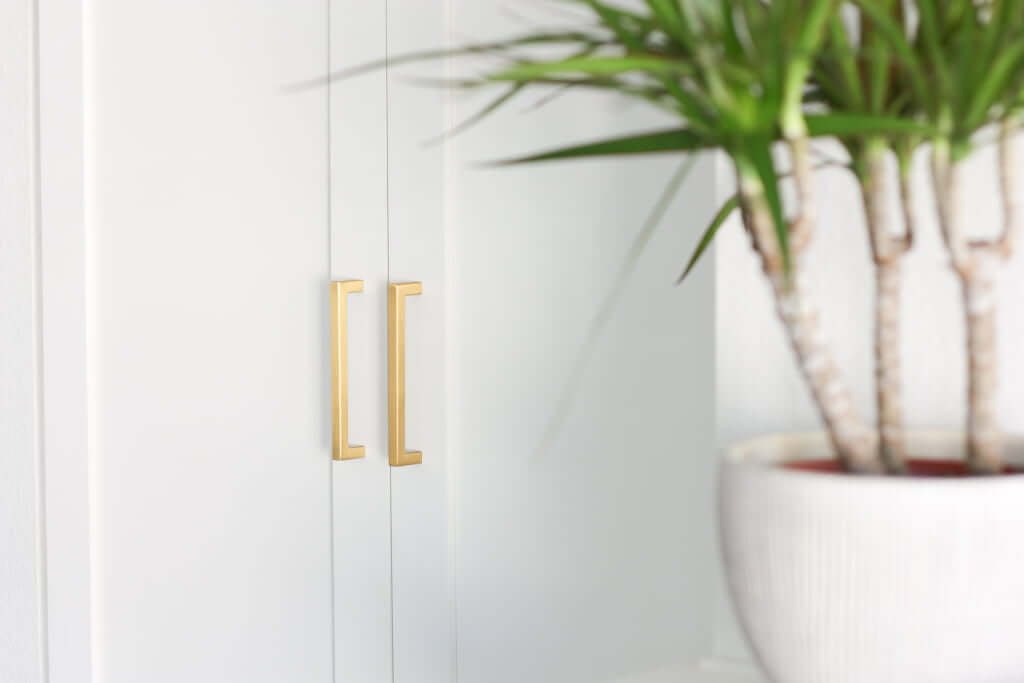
column 558, row 527
column 559, row 386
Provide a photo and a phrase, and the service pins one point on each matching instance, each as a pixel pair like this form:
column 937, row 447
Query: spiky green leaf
column 723, row 213
column 592, row 66
column 838, row 124
column 675, row 140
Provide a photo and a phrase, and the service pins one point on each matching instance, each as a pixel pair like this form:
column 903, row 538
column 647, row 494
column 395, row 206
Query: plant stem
column 888, row 367
column 1012, row 216
column 887, row 252
column 799, row 149
column 947, row 200
column 975, row 264
column 852, row 442
column 984, row 437
column 908, row 206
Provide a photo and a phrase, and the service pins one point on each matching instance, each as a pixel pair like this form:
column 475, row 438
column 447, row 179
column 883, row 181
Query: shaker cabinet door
column 207, row 263
column 421, row 563
column 228, row 544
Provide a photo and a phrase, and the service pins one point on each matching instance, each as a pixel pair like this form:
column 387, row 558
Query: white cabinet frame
column 62, row 70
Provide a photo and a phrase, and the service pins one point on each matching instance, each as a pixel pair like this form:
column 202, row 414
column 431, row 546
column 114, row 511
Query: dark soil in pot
column 918, row 467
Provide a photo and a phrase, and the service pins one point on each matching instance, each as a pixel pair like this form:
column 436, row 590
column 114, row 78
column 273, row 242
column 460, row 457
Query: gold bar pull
column 397, row 455
column 341, row 450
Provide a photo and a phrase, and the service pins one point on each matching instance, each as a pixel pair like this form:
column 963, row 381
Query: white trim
column 62, row 157
column 22, row 641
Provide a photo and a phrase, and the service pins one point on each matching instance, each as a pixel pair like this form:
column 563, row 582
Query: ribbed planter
column 854, row 579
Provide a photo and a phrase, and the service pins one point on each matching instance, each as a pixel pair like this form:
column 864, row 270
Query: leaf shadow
column 570, row 389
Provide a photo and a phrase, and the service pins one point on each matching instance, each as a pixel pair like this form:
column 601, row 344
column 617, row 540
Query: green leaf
column 879, row 66
column 760, row 153
column 995, row 33
column 730, row 205
column 842, row 125
column 496, row 47
column 613, row 294
column 667, row 13
column 992, row 87
column 931, row 35
column 812, row 26
column 896, row 38
column 843, row 53
column 676, row 140
column 733, row 44
column 615, row 19
column 483, row 113
column 966, row 47
column 591, row 66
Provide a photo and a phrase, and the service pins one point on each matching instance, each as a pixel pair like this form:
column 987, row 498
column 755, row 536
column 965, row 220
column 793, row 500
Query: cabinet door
column 559, row 385
column 206, row 195
column 421, row 562
column 359, row 250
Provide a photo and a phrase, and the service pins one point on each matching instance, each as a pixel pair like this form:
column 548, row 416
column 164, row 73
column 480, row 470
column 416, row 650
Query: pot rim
column 765, row 454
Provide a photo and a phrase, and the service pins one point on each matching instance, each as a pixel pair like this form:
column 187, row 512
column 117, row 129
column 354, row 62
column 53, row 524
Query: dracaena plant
column 956, row 66
column 962, row 66
column 760, row 81
column 855, row 73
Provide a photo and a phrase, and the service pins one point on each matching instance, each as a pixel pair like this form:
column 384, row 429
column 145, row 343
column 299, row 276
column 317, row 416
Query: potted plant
column 862, row 553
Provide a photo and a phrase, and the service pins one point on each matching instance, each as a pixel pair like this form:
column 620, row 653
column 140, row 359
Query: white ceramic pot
column 853, row 579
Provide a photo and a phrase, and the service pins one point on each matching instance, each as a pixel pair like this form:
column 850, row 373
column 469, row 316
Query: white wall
column 759, row 390
column 21, row 600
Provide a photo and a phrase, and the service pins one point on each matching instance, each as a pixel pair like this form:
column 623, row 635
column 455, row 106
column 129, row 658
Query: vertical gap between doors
column 328, row 90
column 39, row 452
column 387, row 223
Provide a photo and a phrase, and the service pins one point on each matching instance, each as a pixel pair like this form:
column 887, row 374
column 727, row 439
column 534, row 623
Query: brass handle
column 397, row 455
column 339, row 369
